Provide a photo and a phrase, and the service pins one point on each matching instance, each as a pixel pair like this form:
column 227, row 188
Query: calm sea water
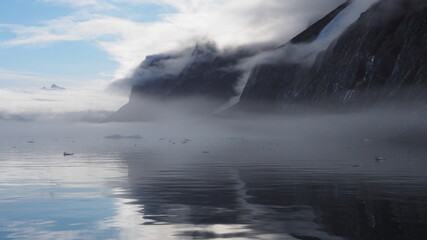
column 228, row 187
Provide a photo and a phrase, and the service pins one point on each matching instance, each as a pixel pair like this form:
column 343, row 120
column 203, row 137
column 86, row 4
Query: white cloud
column 228, row 23
column 84, row 97
column 6, row 75
column 81, row 95
column 9, row 79
column 96, row 4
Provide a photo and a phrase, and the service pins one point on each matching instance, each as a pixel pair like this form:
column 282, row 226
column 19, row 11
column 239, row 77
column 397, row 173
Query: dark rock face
column 275, row 83
column 208, row 74
column 382, row 54
column 204, row 84
column 388, row 54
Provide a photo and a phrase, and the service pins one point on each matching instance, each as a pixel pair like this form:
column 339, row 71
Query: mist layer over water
column 352, row 175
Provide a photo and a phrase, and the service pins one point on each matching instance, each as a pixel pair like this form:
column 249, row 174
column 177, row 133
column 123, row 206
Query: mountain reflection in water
column 270, row 194
column 307, row 183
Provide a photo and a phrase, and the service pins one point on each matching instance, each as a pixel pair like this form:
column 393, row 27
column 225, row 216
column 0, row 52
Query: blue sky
column 78, row 60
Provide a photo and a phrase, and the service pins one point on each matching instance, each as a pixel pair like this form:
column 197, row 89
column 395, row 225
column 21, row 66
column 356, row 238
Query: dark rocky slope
column 209, row 74
column 381, row 55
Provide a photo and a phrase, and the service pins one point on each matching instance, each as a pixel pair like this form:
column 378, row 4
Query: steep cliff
column 207, row 73
column 381, row 55
column 208, row 76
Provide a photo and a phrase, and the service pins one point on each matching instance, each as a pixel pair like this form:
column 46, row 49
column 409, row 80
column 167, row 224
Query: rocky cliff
column 205, row 83
column 382, row 55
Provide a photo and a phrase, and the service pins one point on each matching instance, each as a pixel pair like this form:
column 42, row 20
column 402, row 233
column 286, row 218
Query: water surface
column 220, row 187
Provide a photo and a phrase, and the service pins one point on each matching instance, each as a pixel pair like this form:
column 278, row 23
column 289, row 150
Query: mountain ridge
column 377, row 57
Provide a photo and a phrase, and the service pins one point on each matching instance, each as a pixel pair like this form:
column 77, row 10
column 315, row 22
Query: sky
column 85, row 45
column 35, row 47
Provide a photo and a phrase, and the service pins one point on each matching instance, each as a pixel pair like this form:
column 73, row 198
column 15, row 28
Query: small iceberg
column 379, row 159
column 118, row 136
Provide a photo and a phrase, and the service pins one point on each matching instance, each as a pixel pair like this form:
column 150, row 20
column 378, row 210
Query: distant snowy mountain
column 54, row 87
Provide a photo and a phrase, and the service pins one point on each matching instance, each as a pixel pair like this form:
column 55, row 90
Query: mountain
column 381, row 55
column 54, row 87
column 205, row 83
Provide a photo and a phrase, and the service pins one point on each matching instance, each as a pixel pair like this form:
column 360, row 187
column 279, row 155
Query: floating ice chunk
column 118, row 136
